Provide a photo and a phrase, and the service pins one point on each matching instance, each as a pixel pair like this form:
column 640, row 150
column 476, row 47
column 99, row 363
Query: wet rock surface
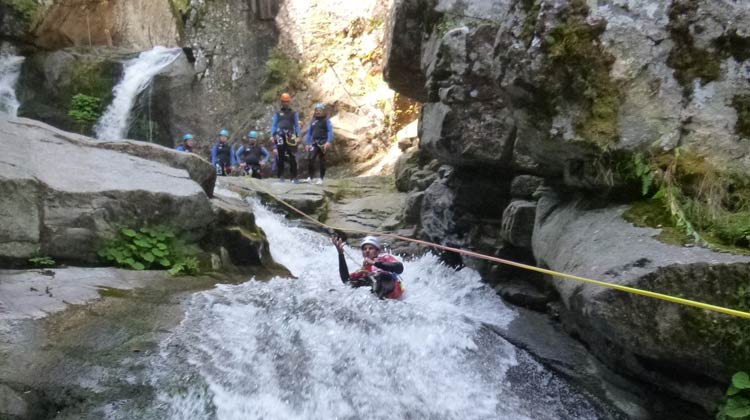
column 650, row 337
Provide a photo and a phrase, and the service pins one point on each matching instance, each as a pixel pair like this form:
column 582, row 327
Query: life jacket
column 366, row 269
column 223, row 153
column 320, row 130
column 285, row 120
column 252, row 153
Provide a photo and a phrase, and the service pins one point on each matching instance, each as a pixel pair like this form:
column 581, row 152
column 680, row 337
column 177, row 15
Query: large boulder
column 538, row 85
column 651, row 338
column 62, row 196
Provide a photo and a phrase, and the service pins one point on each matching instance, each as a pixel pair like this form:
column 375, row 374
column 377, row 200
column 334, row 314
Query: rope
column 632, row 290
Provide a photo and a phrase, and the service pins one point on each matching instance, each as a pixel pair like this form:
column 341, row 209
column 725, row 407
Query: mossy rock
column 50, row 80
column 577, row 71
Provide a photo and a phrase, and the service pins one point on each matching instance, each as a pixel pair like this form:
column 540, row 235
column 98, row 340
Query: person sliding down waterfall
column 252, row 156
column 285, row 132
column 379, row 271
column 222, row 155
column 319, row 138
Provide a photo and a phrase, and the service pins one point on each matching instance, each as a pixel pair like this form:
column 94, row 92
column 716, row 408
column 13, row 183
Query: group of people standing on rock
column 251, row 158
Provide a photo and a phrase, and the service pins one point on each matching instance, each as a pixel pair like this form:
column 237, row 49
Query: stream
column 310, row 348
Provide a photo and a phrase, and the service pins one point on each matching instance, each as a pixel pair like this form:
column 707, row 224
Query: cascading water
column 10, row 68
column 114, row 123
column 311, row 348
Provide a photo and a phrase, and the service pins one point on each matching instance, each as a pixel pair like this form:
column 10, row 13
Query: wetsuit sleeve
column 213, row 155
column 180, row 148
column 296, row 124
column 264, row 153
column 330, row 130
column 238, row 154
column 308, row 136
column 394, row 267
column 343, row 269
column 232, row 157
column 274, row 123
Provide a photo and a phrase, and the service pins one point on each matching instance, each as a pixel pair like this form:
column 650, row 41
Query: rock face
column 65, row 195
column 56, row 24
column 640, row 333
column 49, row 80
column 218, row 82
column 67, row 216
column 523, row 97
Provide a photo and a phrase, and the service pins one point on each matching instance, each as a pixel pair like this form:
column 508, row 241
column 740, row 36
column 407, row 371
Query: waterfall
column 312, row 348
column 10, row 68
column 115, row 122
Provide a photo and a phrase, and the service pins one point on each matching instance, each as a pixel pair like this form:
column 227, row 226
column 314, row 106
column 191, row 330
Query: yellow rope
column 633, row 290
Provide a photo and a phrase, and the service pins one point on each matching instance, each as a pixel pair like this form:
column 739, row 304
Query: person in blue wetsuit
column 318, row 140
column 252, row 157
column 285, row 132
column 222, row 155
column 186, row 145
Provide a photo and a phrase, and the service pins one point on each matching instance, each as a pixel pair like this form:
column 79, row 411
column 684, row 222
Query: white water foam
column 311, row 348
column 10, row 69
column 138, row 73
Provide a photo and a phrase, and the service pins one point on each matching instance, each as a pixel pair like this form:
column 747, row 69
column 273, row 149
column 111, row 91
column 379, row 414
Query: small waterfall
column 10, row 68
column 114, row 123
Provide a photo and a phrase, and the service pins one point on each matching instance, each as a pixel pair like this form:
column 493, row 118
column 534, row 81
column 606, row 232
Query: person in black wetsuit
column 285, row 132
column 380, row 271
column 318, row 140
column 222, row 155
column 252, row 157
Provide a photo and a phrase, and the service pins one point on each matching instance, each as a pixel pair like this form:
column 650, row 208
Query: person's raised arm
column 343, row 269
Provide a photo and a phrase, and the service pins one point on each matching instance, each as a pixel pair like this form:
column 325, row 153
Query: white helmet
column 370, row 240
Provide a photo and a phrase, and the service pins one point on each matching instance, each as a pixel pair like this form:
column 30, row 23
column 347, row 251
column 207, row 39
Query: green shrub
column 42, row 261
column 282, row 74
column 85, row 110
column 150, row 248
column 736, row 403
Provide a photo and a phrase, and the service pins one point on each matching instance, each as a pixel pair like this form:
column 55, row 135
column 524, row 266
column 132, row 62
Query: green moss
column 741, row 103
column 25, row 8
column 688, row 61
column 724, row 332
column 283, row 74
column 577, row 69
column 112, row 292
column 528, row 29
column 653, row 213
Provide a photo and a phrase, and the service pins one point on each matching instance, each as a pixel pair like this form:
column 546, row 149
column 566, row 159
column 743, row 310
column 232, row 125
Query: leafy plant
column 282, row 74
column 737, row 400
column 85, row 110
column 150, row 248
column 42, row 261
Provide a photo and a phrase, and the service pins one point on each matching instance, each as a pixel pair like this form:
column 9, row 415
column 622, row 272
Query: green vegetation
column 736, row 403
column 531, row 9
column 710, row 206
column 283, row 74
column 85, row 111
column 577, row 68
column 25, row 8
column 688, row 61
column 150, row 248
column 42, row 261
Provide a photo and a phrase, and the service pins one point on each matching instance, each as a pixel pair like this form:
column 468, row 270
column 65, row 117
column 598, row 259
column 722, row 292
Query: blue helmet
column 252, row 134
column 320, row 106
column 187, row 137
column 224, row 133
